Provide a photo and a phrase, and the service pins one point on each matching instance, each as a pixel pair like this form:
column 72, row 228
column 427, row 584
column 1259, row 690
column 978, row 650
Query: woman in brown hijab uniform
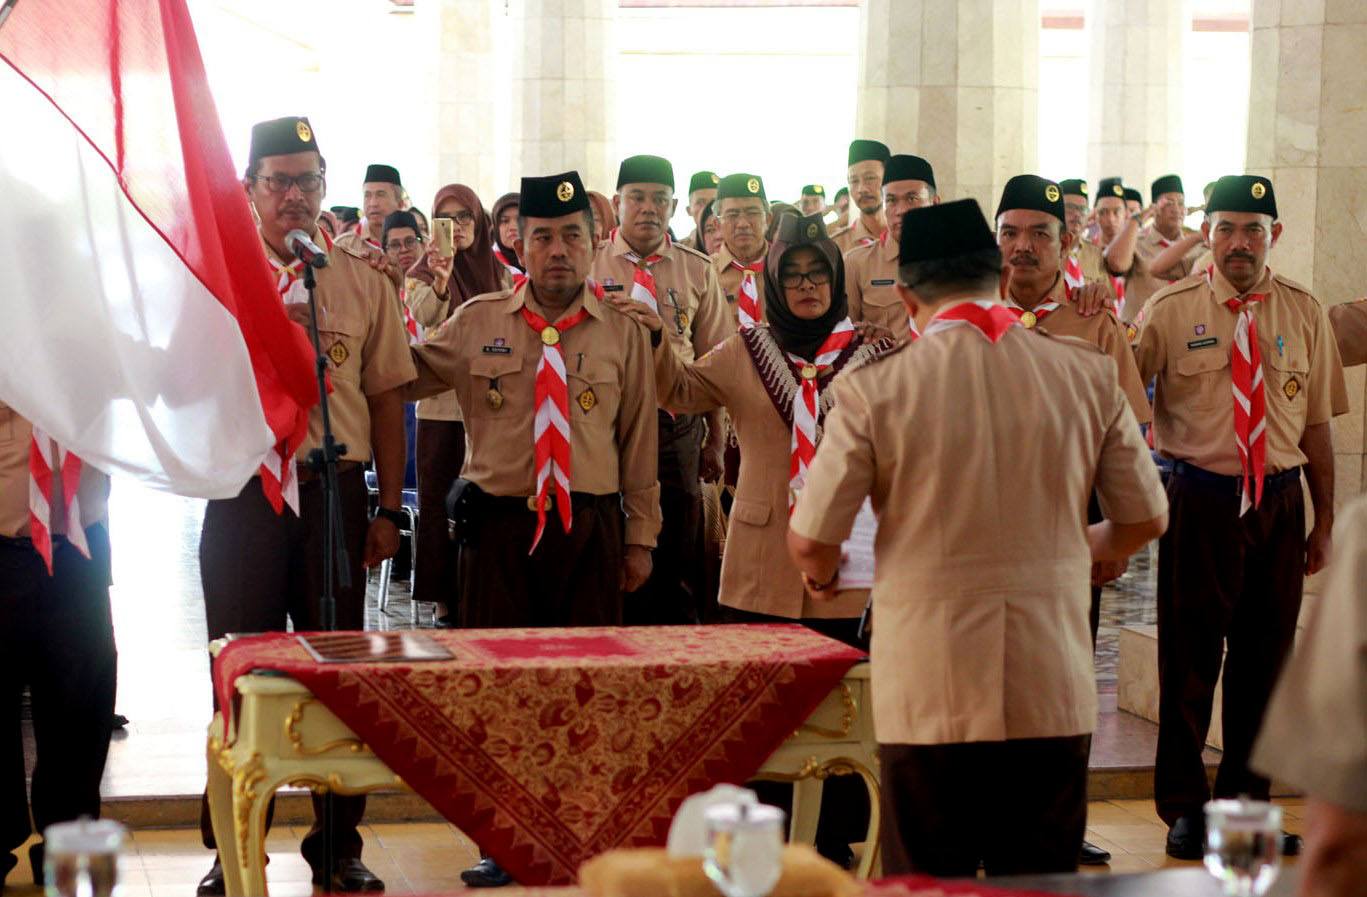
column 434, row 288
column 505, row 215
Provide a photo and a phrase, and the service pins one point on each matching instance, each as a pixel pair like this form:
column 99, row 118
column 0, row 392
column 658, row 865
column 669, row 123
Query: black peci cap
column 1133, row 195
column 382, row 174
column 908, row 168
column 741, row 185
column 1168, row 183
column 868, row 151
column 401, row 218
column 1030, row 191
column 645, row 170
column 944, row 231
column 282, row 136
column 1112, row 187
column 553, row 196
column 1243, row 193
column 1073, row 187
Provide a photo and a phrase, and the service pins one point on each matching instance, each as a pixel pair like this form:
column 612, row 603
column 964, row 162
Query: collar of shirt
column 1224, row 291
column 1058, row 292
column 523, row 296
column 621, row 247
column 723, row 259
column 888, row 248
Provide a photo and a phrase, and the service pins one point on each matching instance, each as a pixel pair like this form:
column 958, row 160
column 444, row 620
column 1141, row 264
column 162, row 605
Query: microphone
column 297, row 241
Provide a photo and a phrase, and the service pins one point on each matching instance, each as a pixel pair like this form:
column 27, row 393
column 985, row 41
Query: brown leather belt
column 307, row 474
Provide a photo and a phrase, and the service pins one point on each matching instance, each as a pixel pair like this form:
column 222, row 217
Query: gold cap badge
column 1082, row 188
column 304, row 131
column 1118, row 190
column 811, row 230
column 715, row 179
column 1051, row 193
column 564, row 192
column 1259, row 191
column 752, row 185
column 550, row 336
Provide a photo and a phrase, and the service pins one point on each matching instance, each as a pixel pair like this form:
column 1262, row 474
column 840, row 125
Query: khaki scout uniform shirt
column 429, row 310
column 1314, row 734
column 1186, row 337
column 856, row 234
column 1349, row 321
column 1092, row 261
column 1141, row 283
column 757, row 573
column 92, row 493
column 355, row 241
column 983, row 583
column 1104, row 331
column 729, row 279
column 488, row 353
column 690, row 299
column 361, row 332
column 871, row 287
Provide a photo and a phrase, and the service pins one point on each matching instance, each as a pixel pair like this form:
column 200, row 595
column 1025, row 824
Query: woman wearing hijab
column 435, row 287
column 709, row 231
column 604, row 218
column 505, row 216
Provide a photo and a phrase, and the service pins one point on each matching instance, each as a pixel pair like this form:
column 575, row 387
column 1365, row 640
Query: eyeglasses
column 405, row 243
column 790, row 280
column 734, row 215
column 308, row 182
column 464, row 217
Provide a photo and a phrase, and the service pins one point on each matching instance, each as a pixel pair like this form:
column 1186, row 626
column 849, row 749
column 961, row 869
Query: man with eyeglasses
column 866, row 159
column 1085, row 262
column 381, row 196
column 261, row 553
column 1161, row 254
column 679, row 283
column 743, row 211
column 871, row 269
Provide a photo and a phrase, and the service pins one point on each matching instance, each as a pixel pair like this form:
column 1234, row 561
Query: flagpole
column 324, row 461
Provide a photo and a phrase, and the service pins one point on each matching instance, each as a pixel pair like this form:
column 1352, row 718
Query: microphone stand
column 324, row 461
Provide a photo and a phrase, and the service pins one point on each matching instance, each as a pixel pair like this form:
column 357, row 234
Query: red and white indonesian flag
column 140, row 329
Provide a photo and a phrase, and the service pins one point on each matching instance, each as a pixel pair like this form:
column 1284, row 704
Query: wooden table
column 284, row 736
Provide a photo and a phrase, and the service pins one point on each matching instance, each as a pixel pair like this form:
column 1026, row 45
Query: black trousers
column 1224, row 582
column 441, row 453
column 57, row 637
column 1017, row 807
column 572, row 579
column 260, row 569
column 845, row 810
column 670, row 595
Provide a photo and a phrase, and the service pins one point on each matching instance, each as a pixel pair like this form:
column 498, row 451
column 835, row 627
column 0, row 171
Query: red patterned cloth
column 908, row 886
column 549, row 746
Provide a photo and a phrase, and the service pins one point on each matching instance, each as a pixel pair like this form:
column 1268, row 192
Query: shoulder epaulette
column 1288, row 282
column 874, row 359
column 689, row 250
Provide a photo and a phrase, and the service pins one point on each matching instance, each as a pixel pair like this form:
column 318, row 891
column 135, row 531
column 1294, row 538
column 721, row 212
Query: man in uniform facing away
column 1248, row 379
column 260, row 564
column 640, row 261
column 865, row 161
column 978, row 561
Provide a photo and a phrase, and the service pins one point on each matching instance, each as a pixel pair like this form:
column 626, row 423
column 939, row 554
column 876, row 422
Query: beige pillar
column 1136, row 90
column 564, row 94
column 955, row 81
column 1306, row 127
column 468, row 77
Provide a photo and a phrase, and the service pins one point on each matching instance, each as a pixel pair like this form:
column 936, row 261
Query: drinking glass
column 81, row 859
column 744, row 853
column 1244, row 844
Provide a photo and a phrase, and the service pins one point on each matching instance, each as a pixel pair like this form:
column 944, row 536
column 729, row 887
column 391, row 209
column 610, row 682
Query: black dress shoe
column 1091, row 855
column 1291, row 844
column 211, row 885
column 352, row 877
column 486, row 874
column 1187, row 838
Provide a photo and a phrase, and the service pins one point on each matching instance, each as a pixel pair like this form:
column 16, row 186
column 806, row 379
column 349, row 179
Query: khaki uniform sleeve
column 385, row 362
column 1349, row 321
column 1150, row 352
column 1127, row 483
column 854, row 288
column 697, row 387
column 1113, row 343
column 1328, row 391
column 426, row 307
column 1314, row 734
column 714, row 320
column 638, row 442
column 435, row 359
column 842, row 473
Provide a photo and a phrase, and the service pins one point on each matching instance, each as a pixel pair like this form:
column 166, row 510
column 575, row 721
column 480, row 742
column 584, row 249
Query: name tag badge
column 612, row 287
column 1202, row 343
column 498, row 350
column 882, row 283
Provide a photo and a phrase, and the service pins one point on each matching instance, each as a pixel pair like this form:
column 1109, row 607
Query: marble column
column 468, row 77
column 955, row 81
column 1306, row 127
column 1136, row 89
column 564, row 93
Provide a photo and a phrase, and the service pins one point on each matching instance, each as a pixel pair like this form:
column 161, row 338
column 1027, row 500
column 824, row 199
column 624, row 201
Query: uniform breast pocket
column 755, row 513
column 491, row 391
column 595, row 392
column 1286, row 373
column 1202, row 379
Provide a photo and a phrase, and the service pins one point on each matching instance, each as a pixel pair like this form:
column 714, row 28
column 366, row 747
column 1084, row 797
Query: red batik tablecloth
column 549, row 746
column 909, row 886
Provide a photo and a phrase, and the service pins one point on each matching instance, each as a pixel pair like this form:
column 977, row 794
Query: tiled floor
column 418, row 858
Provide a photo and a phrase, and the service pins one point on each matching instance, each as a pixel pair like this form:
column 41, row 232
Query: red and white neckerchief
column 807, row 400
column 40, row 473
column 1159, row 238
column 518, row 275
column 1250, row 400
column 1031, row 317
column 1072, row 269
column 416, row 332
column 1118, row 284
column 551, row 430
column 642, row 281
column 747, row 299
column 991, row 319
